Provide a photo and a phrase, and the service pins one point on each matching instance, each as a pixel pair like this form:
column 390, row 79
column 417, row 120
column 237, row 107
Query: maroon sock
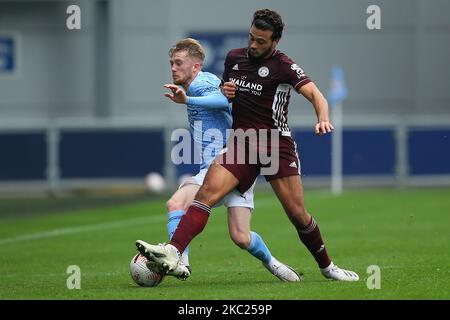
column 191, row 224
column 311, row 238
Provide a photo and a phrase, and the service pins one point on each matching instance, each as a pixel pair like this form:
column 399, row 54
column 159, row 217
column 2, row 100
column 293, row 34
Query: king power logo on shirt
column 247, row 86
column 296, row 68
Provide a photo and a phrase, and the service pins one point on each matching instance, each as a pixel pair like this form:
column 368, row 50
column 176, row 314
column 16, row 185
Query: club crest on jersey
column 263, row 72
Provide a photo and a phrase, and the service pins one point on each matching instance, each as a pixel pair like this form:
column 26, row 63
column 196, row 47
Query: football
column 155, row 182
column 141, row 274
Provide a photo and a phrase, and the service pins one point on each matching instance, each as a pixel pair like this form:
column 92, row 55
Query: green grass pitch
column 405, row 233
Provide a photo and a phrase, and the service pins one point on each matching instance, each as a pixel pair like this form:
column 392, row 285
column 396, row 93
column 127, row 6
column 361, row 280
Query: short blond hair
column 192, row 46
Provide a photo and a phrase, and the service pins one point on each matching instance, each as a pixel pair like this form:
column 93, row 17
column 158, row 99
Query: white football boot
column 165, row 256
column 181, row 272
column 333, row 272
column 282, row 271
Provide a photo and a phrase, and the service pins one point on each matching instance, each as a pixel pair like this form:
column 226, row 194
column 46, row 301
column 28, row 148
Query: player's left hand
column 178, row 95
column 323, row 127
column 229, row 90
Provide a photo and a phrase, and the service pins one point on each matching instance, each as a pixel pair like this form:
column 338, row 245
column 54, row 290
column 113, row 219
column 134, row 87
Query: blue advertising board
column 217, row 45
column 8, row 48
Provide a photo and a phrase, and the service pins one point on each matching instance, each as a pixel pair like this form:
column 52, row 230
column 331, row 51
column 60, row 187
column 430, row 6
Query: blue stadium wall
column 134, row 153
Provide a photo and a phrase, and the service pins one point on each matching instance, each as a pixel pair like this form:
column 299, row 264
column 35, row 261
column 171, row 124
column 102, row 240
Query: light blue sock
column 174, row 218
column 172, row 223
column 258, row 248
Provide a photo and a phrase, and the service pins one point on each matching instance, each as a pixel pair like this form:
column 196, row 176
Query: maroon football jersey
column 262, row 89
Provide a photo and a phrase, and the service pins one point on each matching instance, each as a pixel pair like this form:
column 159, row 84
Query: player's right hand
column 178, row 95
column 229, row 90
column 323, row 127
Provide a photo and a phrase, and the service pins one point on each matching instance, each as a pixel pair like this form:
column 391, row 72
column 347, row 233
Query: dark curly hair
column 266, row 19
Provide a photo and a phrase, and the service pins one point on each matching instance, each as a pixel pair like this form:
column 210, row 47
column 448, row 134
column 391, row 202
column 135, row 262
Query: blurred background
column 84, row 108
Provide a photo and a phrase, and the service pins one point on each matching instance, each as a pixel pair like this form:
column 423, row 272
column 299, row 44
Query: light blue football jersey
column 208, row 126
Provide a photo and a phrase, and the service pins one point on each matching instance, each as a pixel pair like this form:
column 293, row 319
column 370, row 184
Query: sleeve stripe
column 302, row 83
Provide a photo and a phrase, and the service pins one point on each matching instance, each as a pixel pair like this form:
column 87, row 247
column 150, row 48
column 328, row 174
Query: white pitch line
column 99, row 226
column 58, row 275
column 83, row 228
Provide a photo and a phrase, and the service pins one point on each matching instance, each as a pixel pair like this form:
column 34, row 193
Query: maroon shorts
column 246, row 166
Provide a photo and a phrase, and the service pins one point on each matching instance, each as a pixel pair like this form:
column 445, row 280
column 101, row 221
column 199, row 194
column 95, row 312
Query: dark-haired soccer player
column 259, row 80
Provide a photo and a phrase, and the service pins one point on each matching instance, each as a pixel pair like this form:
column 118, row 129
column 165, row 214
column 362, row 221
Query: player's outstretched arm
column 214, row 100
column 320, row 104
column 211, row 97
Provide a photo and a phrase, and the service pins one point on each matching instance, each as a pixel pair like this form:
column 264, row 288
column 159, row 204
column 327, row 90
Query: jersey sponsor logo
column 263, row 72
column 235, row 67
column 296, row 68
column 247, row 86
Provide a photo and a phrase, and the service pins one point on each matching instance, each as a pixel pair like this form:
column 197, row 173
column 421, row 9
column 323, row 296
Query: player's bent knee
column 174, row 204
column 241, row 239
